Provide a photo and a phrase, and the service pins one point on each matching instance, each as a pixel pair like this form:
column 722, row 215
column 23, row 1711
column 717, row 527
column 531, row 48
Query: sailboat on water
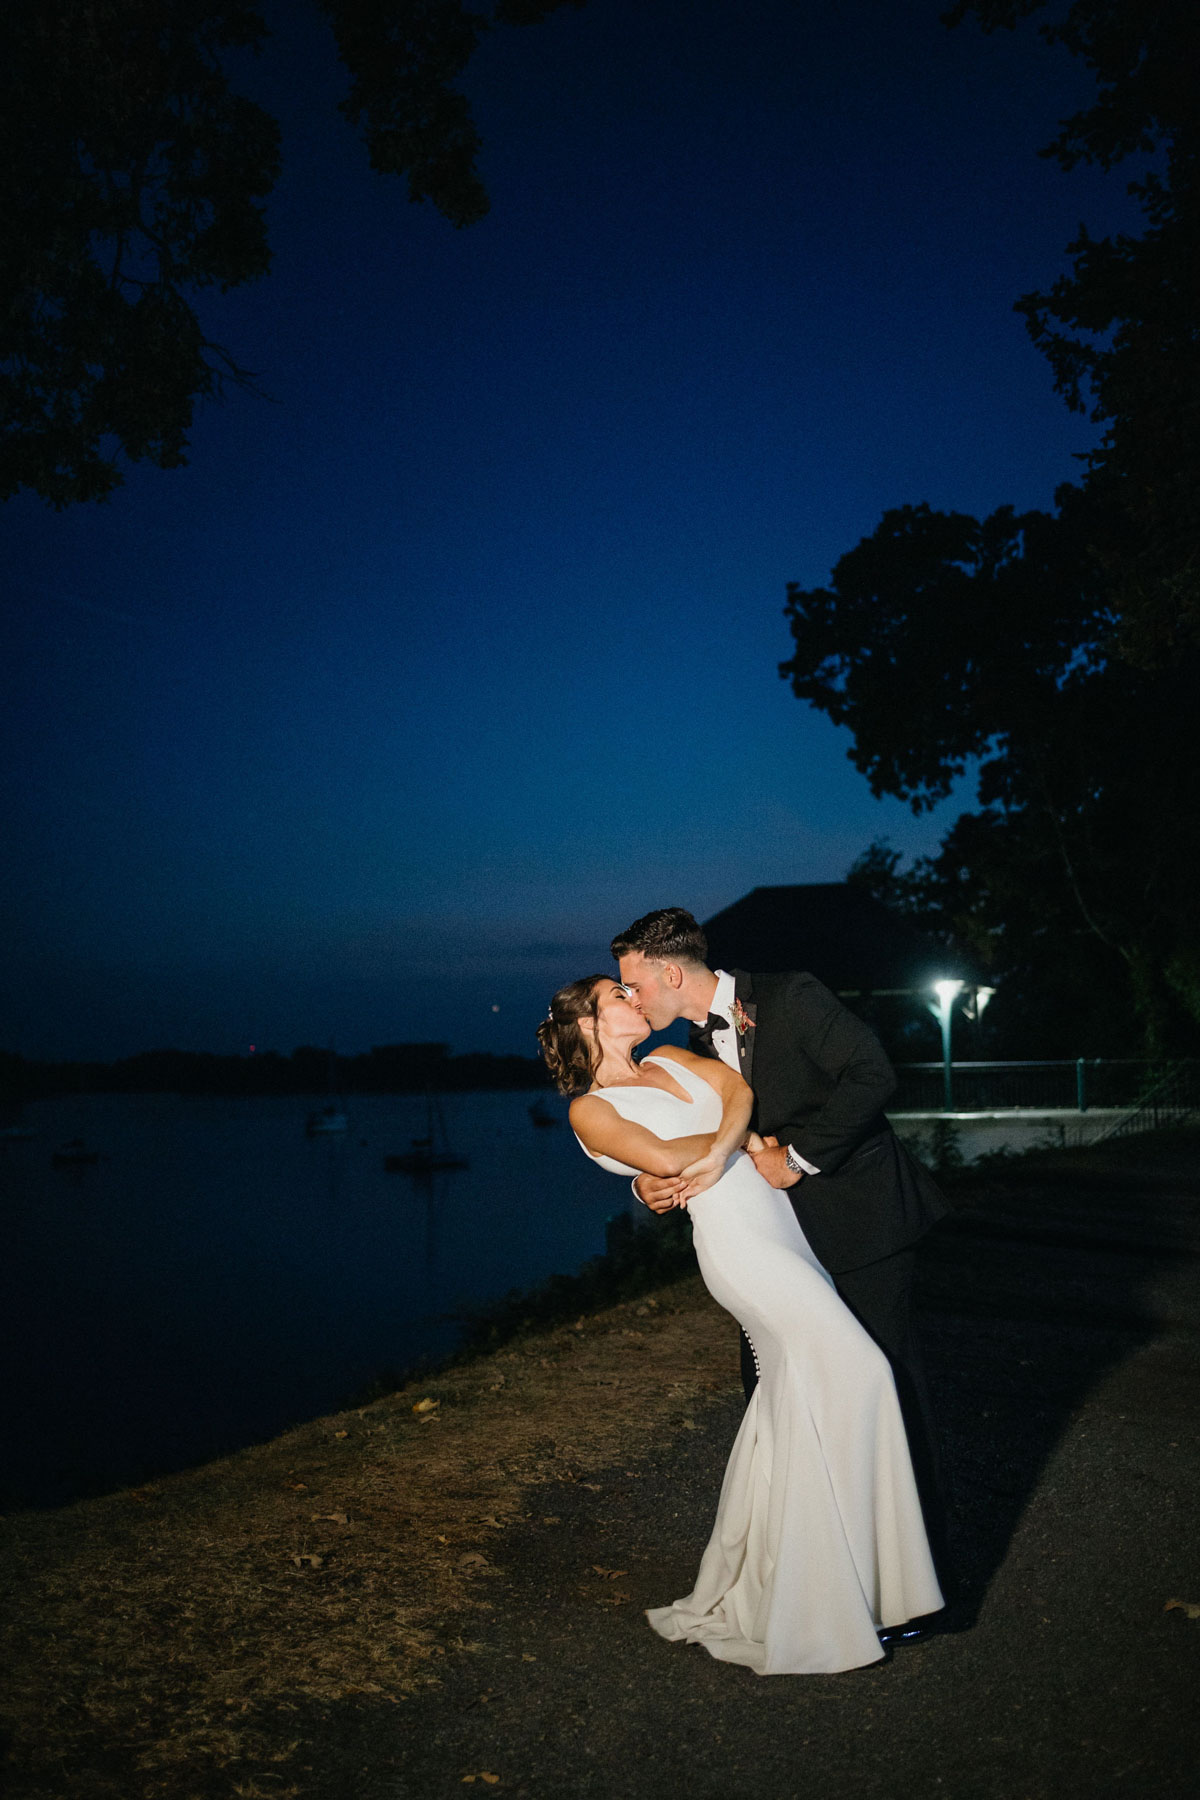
column 430, row 1152
column 322, row 1121
column 327, row 1120
column 74, row 1154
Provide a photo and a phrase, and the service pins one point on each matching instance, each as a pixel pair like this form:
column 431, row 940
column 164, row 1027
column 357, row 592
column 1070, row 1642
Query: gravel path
column 1068, row 1372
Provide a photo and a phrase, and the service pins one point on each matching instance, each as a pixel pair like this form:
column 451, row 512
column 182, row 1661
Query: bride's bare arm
column 606, row 1133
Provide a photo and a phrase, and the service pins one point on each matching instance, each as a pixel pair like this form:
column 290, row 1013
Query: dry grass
column 167, row 1629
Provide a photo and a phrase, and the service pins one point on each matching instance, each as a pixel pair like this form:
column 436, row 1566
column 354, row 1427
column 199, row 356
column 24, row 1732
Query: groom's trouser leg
column 880, row 1297
column 749, row 1370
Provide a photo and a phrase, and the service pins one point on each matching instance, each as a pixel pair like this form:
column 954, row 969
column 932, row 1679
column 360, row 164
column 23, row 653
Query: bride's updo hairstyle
column 568, row 1053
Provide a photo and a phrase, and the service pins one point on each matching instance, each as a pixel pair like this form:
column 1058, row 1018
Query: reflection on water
column 218, row 1274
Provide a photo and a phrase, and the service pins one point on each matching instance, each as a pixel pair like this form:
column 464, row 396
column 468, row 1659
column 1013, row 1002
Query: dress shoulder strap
column 687, row 1078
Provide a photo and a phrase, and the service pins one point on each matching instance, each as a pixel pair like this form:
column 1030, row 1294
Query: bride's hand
column 701, row 1175
column 752, row 1143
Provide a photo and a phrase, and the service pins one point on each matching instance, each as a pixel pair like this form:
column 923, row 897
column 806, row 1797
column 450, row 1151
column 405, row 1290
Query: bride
column 819, row 1540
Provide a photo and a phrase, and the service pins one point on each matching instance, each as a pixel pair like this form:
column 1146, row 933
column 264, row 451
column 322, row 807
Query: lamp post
column 947, row 992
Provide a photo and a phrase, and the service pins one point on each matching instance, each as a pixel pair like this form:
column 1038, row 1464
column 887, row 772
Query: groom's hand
column 771, row 1163
column 659, row 1192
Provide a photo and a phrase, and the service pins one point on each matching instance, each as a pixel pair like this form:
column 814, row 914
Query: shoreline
column 344, row 1557
column 640, row 1257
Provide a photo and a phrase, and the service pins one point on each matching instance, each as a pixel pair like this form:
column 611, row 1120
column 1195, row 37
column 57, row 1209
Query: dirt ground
column 148, row 1634
column 443, row 1591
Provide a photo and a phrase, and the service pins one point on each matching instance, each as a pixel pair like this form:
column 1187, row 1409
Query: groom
column 820, row 1081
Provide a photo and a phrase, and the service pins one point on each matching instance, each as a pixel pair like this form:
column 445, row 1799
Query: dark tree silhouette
column 1122, row 330
column 402, row 56
column 942, row 638
column 132, row 177
column 1062, row 650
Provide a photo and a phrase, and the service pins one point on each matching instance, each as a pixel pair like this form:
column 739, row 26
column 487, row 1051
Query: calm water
column 219, row 1275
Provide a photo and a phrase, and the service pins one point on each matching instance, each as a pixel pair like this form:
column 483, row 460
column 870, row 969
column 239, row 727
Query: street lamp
column 974, row 1008
column 947, row 993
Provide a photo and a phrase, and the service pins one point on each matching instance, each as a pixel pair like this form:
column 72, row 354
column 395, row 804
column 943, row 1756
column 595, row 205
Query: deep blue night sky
column 457, row 652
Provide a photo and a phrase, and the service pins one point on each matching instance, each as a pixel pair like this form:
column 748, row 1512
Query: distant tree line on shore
column 385, row 1069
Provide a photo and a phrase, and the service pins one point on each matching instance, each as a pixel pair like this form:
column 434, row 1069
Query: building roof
column 838, row 932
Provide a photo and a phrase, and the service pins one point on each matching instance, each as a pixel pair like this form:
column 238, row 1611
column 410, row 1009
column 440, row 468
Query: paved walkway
column 1062, row 1325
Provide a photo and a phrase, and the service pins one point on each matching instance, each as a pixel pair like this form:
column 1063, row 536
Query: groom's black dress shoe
column 892, row 1636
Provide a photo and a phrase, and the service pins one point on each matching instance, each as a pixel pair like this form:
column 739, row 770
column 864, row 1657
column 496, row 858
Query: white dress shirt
column 725, row 1043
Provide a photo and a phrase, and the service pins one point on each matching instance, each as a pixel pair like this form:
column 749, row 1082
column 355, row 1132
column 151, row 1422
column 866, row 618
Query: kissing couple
column 805, row 1211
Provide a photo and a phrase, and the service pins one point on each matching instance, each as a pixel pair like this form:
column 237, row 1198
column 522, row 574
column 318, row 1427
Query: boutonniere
column 742, row 1019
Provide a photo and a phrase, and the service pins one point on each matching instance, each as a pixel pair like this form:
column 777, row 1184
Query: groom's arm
column 659, row 1192
column 850, row 1055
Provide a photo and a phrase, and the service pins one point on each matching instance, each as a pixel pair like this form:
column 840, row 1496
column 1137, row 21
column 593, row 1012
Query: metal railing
column 1130, row 1083
column 1172, row 1099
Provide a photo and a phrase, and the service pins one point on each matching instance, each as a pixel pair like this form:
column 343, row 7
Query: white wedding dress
column 819, row 1537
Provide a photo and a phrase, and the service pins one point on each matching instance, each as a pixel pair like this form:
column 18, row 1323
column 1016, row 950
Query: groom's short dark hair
column 668, row 935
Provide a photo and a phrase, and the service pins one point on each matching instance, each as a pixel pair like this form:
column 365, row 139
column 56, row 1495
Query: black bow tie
column 714, row 1022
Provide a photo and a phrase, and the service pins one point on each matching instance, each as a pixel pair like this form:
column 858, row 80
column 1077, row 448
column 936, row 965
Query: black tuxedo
column 821, row 1080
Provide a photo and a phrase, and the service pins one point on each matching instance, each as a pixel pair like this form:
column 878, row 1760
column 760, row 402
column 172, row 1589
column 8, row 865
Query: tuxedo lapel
column 743, row 987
